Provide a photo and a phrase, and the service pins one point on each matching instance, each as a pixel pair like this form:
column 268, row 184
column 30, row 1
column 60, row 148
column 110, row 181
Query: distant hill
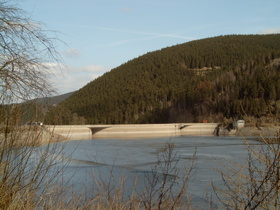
column 32, row 110
column 212, row 79
column 54, row 100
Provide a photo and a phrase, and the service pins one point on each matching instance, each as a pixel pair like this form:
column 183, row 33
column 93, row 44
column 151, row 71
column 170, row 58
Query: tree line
column 226, row 76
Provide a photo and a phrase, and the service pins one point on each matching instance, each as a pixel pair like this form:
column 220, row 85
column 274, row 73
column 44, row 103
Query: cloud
column 127, row 10
column 75, row 78
column 68, row 78
column 147, row 33
column 36, row 25
column 72, row 53
column 121, row 42
column 270, row 31
column 94, row 68
column 158, row 35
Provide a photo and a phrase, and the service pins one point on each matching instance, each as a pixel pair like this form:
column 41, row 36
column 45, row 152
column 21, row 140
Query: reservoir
column 86, row 162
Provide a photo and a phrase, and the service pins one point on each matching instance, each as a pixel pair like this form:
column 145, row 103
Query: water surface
column 88, row 161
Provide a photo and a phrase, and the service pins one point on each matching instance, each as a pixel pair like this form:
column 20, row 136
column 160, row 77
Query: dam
column 75, row 132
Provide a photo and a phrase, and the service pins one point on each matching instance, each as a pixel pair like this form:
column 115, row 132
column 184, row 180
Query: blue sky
column 99, row 35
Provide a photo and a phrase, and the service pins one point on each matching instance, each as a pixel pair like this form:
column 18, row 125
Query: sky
column 99, row 35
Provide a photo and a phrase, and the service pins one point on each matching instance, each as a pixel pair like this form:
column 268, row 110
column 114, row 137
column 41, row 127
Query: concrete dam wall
column 76, row 132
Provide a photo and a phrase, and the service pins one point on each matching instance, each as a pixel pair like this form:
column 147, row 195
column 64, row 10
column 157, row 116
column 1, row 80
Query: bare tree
column 256, row 184
column 25, row 57
column 25, row 54
column 162, row 187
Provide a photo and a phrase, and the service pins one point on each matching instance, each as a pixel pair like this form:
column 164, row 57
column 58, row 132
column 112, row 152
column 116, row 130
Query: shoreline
column 75, row 132
column 63, row 133
column 269, row 131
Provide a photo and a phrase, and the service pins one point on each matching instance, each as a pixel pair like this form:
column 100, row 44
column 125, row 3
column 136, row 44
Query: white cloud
column 157, row 35
column 94, row 68
column 72, row 53
column 147, row 36
column 35, row 25
column 147, row 33
column 121, row 42
column 270, row 31
column 127, row 10
column 68, row 78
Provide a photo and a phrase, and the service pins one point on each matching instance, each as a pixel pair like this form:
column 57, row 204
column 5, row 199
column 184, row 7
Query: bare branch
column 24, row 51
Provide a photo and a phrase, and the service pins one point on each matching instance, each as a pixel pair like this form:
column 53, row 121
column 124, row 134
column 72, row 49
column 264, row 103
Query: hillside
column 32, row 110
column 53, row 100
column 210, row 79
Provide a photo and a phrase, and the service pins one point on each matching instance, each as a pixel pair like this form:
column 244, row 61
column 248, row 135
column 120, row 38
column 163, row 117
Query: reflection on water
column 90, row 160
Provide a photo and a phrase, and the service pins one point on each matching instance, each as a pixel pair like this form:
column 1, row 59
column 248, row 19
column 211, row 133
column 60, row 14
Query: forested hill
column 210, row 79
